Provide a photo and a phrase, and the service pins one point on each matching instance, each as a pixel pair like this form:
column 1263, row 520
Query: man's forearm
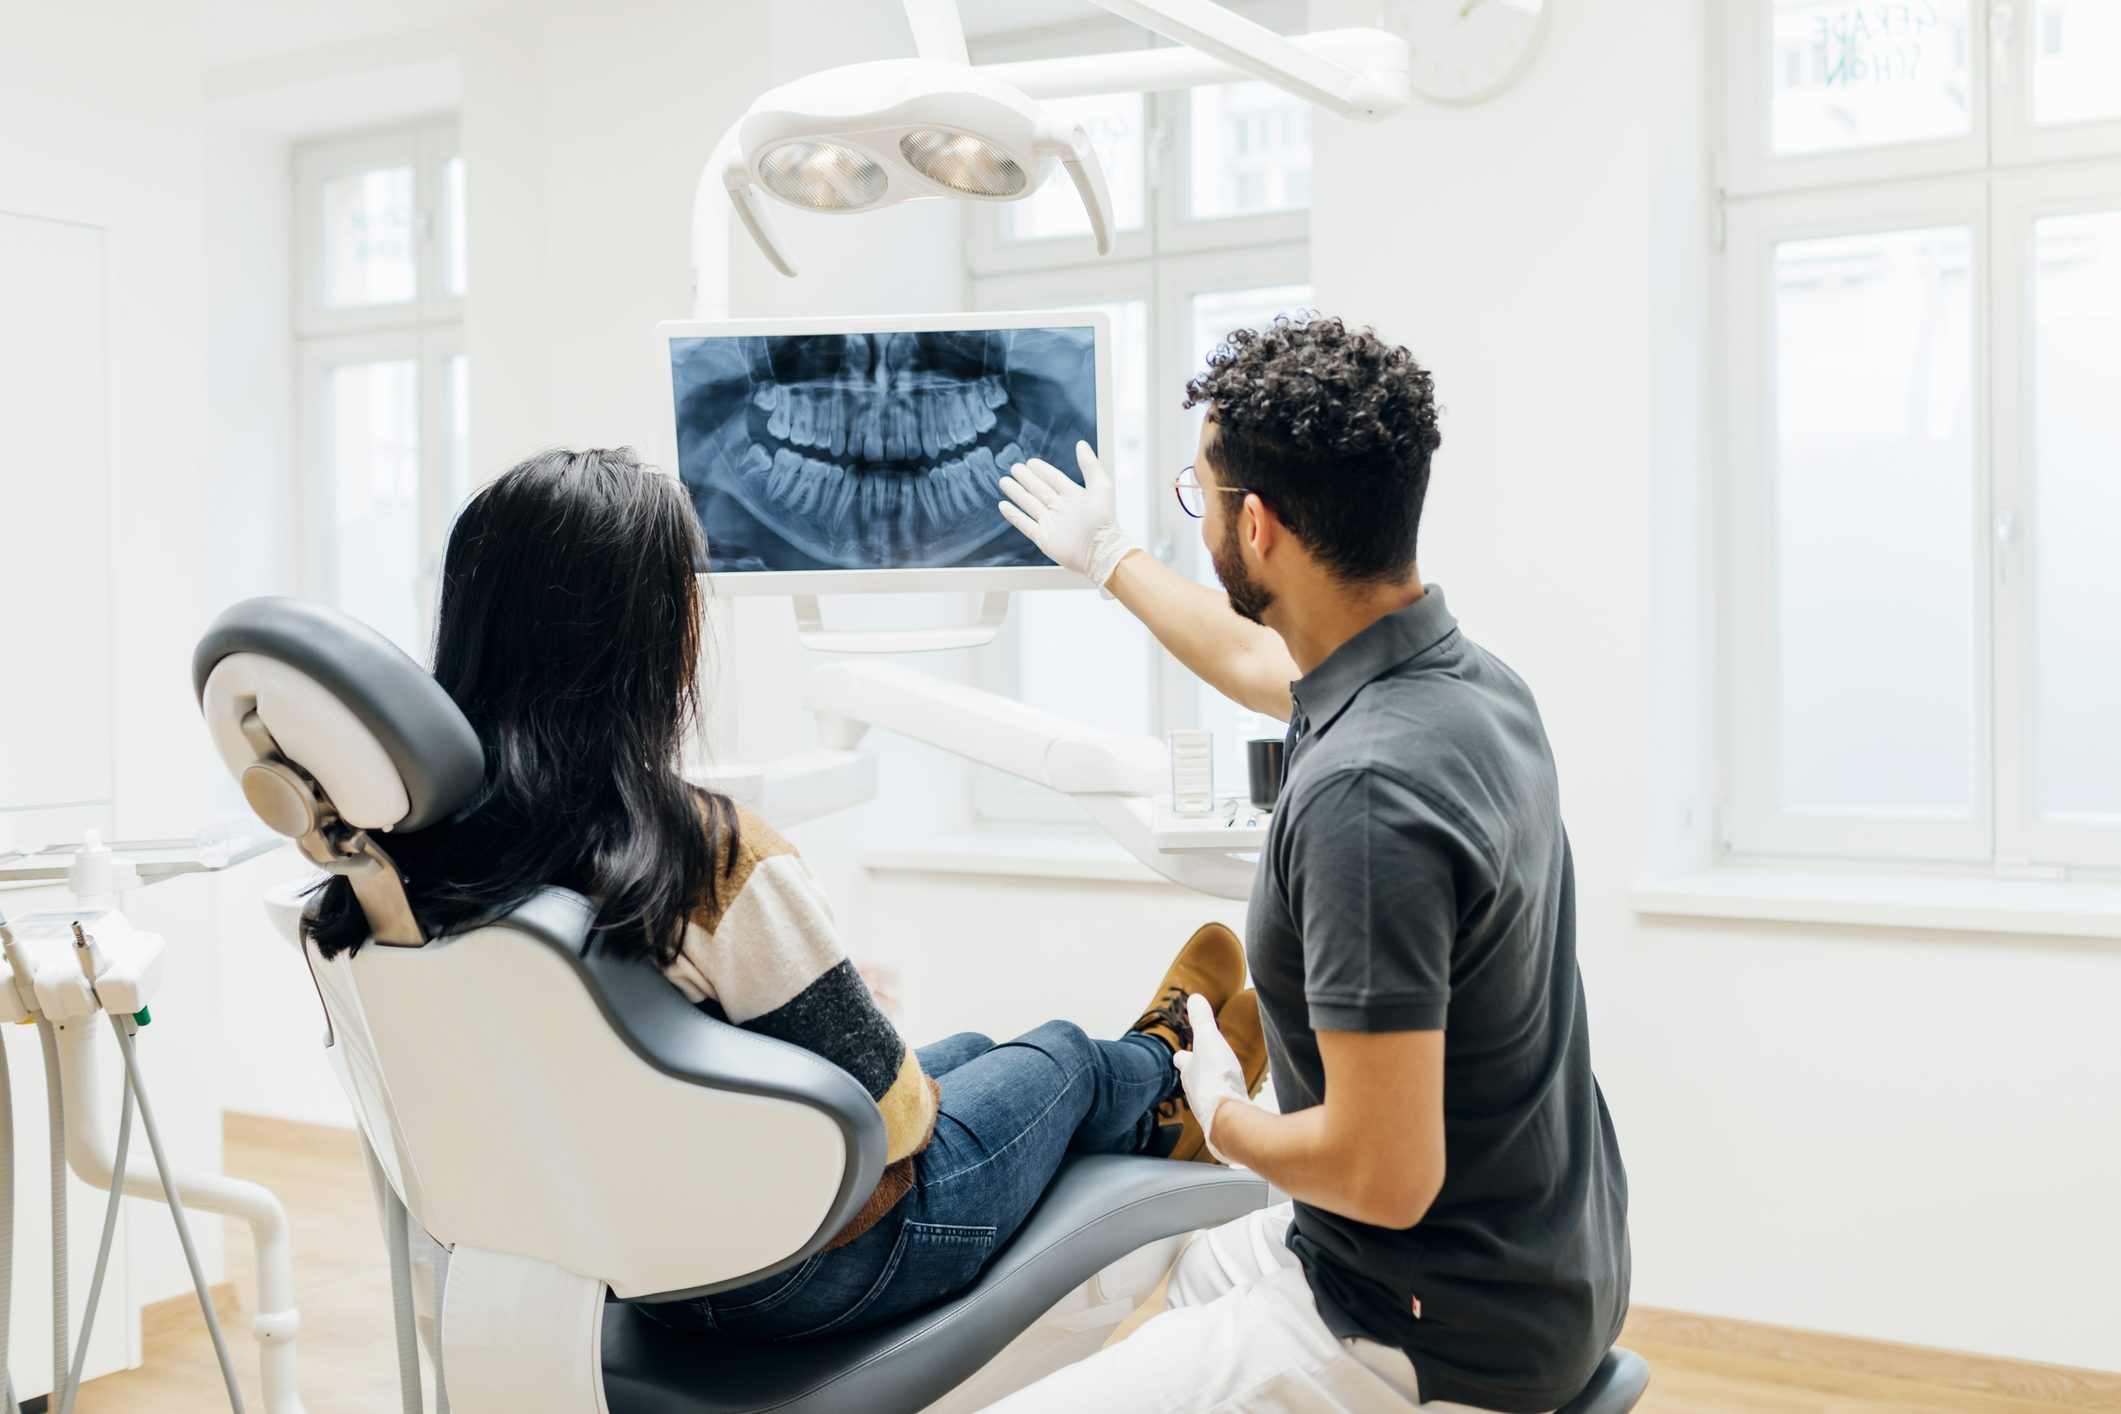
column 1244, row 661
column 1304, row 1156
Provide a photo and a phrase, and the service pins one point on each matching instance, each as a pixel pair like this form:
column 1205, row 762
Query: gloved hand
column 1077, row 526
column 1210, row 1072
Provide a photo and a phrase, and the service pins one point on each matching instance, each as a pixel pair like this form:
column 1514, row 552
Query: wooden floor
column 1699, row 1366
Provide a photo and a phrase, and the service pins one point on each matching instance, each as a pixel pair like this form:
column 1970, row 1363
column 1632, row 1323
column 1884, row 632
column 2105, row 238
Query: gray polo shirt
column 1417, row 878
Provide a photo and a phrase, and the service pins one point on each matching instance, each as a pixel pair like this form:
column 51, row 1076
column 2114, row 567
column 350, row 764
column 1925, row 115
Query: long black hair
column 570, row 635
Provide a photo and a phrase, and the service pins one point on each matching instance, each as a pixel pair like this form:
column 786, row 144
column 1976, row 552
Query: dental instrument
column 172, row 1195
column 63, row 966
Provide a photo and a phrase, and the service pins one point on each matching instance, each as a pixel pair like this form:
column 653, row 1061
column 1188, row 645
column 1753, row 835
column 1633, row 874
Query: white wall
column 98, row 124
column 1890, row 1134
column 249, row 358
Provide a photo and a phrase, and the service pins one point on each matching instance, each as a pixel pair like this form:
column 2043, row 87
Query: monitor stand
column 810, row 628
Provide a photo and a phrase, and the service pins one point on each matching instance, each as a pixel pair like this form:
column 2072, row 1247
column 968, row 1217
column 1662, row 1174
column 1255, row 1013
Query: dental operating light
column 872, row 135
column 866, row 136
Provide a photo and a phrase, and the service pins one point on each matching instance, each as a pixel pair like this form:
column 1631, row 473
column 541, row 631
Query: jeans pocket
column 762, row 1296
column 930, row 1261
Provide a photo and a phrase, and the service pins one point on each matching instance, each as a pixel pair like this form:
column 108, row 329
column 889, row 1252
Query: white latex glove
column 1210, row 1072
column 1077, row 526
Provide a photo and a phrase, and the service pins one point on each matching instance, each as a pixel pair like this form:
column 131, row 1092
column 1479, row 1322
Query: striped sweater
column 763, row 954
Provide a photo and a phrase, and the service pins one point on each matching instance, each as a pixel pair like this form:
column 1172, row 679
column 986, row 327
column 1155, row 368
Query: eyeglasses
column 1193, row 497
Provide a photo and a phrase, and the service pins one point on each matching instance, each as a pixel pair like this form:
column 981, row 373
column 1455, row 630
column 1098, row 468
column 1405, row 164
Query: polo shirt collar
column 1324, row 692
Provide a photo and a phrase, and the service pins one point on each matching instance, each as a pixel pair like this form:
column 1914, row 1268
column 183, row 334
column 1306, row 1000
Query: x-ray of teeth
column 874, row 451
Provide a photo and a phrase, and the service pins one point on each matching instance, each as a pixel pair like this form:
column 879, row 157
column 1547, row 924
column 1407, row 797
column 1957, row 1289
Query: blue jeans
column 1008, row 1116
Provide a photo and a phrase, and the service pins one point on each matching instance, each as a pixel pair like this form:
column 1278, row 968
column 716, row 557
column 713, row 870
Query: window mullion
column 2003, row 562
column 2047, row 375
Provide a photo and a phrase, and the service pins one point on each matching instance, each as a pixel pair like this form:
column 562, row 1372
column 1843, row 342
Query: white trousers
column 1242, row 1333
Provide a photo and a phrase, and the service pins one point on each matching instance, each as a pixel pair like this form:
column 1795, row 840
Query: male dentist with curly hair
column 1458, row 1235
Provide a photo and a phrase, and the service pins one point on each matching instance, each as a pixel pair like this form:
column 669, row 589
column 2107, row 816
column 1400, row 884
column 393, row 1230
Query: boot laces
column 1170, row 1011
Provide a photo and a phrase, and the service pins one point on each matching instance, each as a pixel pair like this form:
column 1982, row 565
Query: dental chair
column 581, row 1141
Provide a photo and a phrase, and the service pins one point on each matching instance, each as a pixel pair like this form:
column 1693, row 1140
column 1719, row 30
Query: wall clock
column 1464, row 51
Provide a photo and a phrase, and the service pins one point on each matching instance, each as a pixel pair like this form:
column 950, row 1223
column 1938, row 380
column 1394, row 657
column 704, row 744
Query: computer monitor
column 834, row 455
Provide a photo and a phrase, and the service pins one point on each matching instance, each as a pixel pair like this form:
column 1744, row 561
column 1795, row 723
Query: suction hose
column 55, row 1098
column 176, row 1211
column 110, row 1232
column 397, row 1227
column 396, row 1231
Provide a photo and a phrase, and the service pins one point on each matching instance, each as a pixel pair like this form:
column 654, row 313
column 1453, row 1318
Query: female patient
column 570, row 636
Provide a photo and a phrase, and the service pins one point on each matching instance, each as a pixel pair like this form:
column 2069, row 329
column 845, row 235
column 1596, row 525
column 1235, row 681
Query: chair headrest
column 341, row 702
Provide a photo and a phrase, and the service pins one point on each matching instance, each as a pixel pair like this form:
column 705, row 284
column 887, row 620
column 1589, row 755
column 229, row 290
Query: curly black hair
column 1334, row 429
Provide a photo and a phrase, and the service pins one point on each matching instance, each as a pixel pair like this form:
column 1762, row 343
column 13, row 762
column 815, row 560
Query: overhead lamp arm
column 938, row 32
column 1223, row 34
column 1371, row 65
column 1071, row 144
column 1357, row 73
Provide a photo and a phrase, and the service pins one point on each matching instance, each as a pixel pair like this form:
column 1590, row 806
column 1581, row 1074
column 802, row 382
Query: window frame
column 2019, row 200
column 1179, row 544
column 2016, row 140
column 1749, row 163
column 1178, row 231
column 2003, row 176
column 990, row 254
column 427, row 331
column 999, row 800
column 427, row 147
column 1170, row 260
column 1756, row 825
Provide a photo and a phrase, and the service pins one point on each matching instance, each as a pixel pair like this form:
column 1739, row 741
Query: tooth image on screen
column 874, row 451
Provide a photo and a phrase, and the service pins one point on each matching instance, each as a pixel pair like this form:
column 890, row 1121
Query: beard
column 1247, row 596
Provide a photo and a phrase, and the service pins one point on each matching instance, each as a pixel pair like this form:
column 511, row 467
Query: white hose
column 276, row 1323
column 110, row 1233
column 55, row 1098
column 441, row 1266
column 7, row 1217
column 396, row 1234
column 397, row 1225
column 176, row 1212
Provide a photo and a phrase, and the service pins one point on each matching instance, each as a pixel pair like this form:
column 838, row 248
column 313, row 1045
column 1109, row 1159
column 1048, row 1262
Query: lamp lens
column 962, row 162
column 824, row 176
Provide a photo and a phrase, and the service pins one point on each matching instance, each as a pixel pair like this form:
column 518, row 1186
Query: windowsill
column 1877, row 899
column 1057, row 854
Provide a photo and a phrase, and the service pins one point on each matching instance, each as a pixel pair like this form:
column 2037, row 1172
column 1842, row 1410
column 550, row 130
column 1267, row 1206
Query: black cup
column 1263, row 760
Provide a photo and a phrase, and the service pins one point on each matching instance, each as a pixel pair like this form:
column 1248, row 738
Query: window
column 1210, row 190
column 382, row 278
column 1923, row 340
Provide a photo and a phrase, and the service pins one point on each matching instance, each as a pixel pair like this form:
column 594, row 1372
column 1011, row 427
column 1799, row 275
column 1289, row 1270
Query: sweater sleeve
column 765, row 955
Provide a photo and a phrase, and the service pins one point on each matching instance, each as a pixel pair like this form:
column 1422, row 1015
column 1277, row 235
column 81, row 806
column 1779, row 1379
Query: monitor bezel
column 953, row 579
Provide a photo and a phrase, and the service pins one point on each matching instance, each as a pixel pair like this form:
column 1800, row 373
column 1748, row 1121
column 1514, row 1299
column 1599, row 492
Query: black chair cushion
column 1615, row 1386
column 1100, row 1208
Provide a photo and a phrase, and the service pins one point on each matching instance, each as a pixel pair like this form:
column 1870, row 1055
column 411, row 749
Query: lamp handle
column 751, row 210
column 1073, row 148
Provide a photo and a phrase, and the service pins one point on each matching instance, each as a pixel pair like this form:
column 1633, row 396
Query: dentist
column 1458, row 1235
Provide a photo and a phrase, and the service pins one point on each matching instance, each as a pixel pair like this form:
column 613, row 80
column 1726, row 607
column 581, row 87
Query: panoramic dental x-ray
column 873, row 451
